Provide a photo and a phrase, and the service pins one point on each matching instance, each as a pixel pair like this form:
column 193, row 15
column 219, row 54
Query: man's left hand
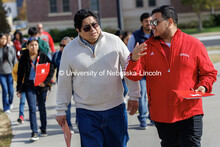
column 132, row 107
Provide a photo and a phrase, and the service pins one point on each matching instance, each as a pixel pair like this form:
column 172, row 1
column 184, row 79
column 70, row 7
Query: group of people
column 99, row 99
column 18, row 63
column 157, row 46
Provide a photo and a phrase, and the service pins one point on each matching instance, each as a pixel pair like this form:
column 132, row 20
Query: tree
column 212, row 5
column 4, row 26
column 197, row 6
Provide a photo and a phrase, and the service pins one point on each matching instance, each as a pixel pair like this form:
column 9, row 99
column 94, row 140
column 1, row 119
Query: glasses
column 155, row 21
column 62, row 45
column 88, row 27
column 32, row 38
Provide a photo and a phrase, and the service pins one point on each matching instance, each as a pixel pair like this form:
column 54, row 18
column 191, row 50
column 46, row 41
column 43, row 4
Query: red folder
column 189, row 94
column 67, row 134
column 42, row 71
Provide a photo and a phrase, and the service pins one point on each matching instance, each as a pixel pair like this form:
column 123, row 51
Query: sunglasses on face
column 87, row 28
column 62, row 45
column 155, row 21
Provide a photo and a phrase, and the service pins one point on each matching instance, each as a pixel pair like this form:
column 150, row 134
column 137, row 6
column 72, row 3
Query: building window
column 94, row 5
column 66, row 7
column 53, row 6
column 152, row 2
column 139, row 3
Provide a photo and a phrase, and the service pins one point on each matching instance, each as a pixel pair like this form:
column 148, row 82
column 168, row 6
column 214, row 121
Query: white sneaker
column 7, row 111
column 11, row 107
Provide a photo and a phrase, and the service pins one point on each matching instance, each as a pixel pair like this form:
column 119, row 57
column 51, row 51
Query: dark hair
column 144, row 15
column 32, row 39
column 32, row 31
column 167, row 12
column 82, row 14
column 118, row 32
column 20, row 34
column 124, row 35
column 5, row 49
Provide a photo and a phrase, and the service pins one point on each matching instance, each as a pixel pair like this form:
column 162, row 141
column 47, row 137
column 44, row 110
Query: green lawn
column 205, row 30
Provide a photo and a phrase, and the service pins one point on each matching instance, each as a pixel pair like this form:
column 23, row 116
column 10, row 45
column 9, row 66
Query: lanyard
column 38, row 58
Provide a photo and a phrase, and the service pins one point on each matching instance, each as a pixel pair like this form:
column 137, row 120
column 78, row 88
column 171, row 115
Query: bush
column 192, row 24
column 209, row 23
column 217, row 19
column 5, row 130
column 58, row 35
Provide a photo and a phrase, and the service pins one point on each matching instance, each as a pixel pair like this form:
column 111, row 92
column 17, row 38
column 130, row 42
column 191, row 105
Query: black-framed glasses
column 87, row 28
column 62, row 45
column 155, row 21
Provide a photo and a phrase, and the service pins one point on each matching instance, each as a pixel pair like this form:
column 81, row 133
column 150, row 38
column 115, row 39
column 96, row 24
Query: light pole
column 99, row 12
column 119, row 15
column 79, row 4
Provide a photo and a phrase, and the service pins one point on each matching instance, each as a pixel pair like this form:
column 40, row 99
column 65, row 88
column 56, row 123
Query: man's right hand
column 137, row 52
column 61, row 119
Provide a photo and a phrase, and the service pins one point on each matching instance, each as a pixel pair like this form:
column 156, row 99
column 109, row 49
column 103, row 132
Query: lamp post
column 99, row 12
column 119, row 15
column 79, row 4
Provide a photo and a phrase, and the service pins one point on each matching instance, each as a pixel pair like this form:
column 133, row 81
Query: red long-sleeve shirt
column 47, row 37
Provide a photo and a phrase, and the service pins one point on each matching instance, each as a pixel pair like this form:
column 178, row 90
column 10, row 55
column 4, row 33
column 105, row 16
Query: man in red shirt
column 173, row 60
column 46, row 37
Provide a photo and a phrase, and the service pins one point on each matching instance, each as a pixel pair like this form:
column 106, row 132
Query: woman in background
column 18, row 41
column 26, row 70
column 7, row 61
column 125, row 38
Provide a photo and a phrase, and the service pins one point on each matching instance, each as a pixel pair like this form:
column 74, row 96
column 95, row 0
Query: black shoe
column 44, row 133
column 34, row 137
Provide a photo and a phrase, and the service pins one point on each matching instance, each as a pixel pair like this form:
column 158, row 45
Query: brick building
column 59, row 13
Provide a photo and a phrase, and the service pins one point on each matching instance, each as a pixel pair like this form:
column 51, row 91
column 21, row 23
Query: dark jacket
column 56, row 61
column 24, row 68
column 139, row 36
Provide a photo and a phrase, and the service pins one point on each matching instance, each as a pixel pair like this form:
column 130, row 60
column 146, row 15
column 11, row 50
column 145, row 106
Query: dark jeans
column 68, row 115
column 103, row 128
column 185, row 133
column 6, row 82
column 31, row 96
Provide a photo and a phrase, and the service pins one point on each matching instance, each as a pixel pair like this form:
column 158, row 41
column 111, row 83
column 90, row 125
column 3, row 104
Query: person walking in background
column 25, row 83
column 18, row 41
column 56, row 61
column 46, row 37
column 9, row 41
column 183, row 64
column 139, row 36
column 125, row 37
column 22, row 98
column 43, row 45
column 57, row 55
column 100, row 108
column 7, row 61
